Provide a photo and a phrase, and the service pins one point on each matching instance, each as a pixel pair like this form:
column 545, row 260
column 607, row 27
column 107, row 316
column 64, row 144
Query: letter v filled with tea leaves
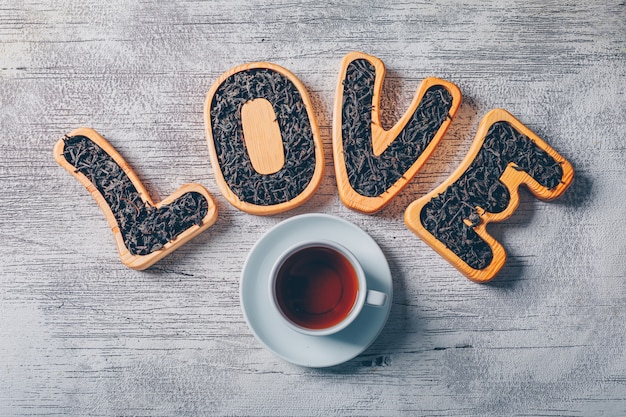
column 373, row 165
column 144, row 232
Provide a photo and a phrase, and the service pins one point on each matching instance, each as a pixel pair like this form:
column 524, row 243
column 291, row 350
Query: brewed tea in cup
column 319, row 287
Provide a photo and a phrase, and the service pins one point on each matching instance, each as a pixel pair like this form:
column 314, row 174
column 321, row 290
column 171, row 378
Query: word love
column 267, row 157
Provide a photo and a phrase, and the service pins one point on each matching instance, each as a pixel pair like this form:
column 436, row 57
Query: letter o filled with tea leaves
column 263, row 139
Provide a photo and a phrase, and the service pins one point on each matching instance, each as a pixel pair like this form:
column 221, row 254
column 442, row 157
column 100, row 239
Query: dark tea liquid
column 316, row 287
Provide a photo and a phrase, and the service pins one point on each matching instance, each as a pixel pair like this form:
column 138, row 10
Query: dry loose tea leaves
column 293, row 119
column 480, row 187
column 145, row 228
column 371, row 175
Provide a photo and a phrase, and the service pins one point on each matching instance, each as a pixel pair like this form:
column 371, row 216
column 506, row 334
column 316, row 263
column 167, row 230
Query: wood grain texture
column 82, row 335
column 262, row 136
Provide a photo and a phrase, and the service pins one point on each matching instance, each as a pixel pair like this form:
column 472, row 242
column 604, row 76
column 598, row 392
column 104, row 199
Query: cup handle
column 375, row 298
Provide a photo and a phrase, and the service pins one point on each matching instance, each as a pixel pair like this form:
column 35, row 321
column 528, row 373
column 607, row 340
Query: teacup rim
column 354, row 262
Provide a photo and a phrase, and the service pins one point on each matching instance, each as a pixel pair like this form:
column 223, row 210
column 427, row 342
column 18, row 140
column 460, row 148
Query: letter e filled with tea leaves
column 452, row 219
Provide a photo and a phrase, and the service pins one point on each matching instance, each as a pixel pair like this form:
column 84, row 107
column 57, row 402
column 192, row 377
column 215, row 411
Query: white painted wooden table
column 81, row 335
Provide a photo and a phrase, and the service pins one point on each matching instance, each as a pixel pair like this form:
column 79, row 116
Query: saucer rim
column 387, row 278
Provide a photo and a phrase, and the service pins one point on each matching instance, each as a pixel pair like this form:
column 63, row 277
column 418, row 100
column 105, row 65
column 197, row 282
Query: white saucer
column 265, row 322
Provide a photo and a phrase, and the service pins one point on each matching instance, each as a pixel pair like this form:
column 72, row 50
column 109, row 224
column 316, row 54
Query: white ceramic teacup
column 319, row 287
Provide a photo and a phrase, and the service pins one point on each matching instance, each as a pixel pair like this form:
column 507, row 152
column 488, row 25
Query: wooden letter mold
column 373, row 165
column 144, row 232
column 263, row 139
column 453, row 218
